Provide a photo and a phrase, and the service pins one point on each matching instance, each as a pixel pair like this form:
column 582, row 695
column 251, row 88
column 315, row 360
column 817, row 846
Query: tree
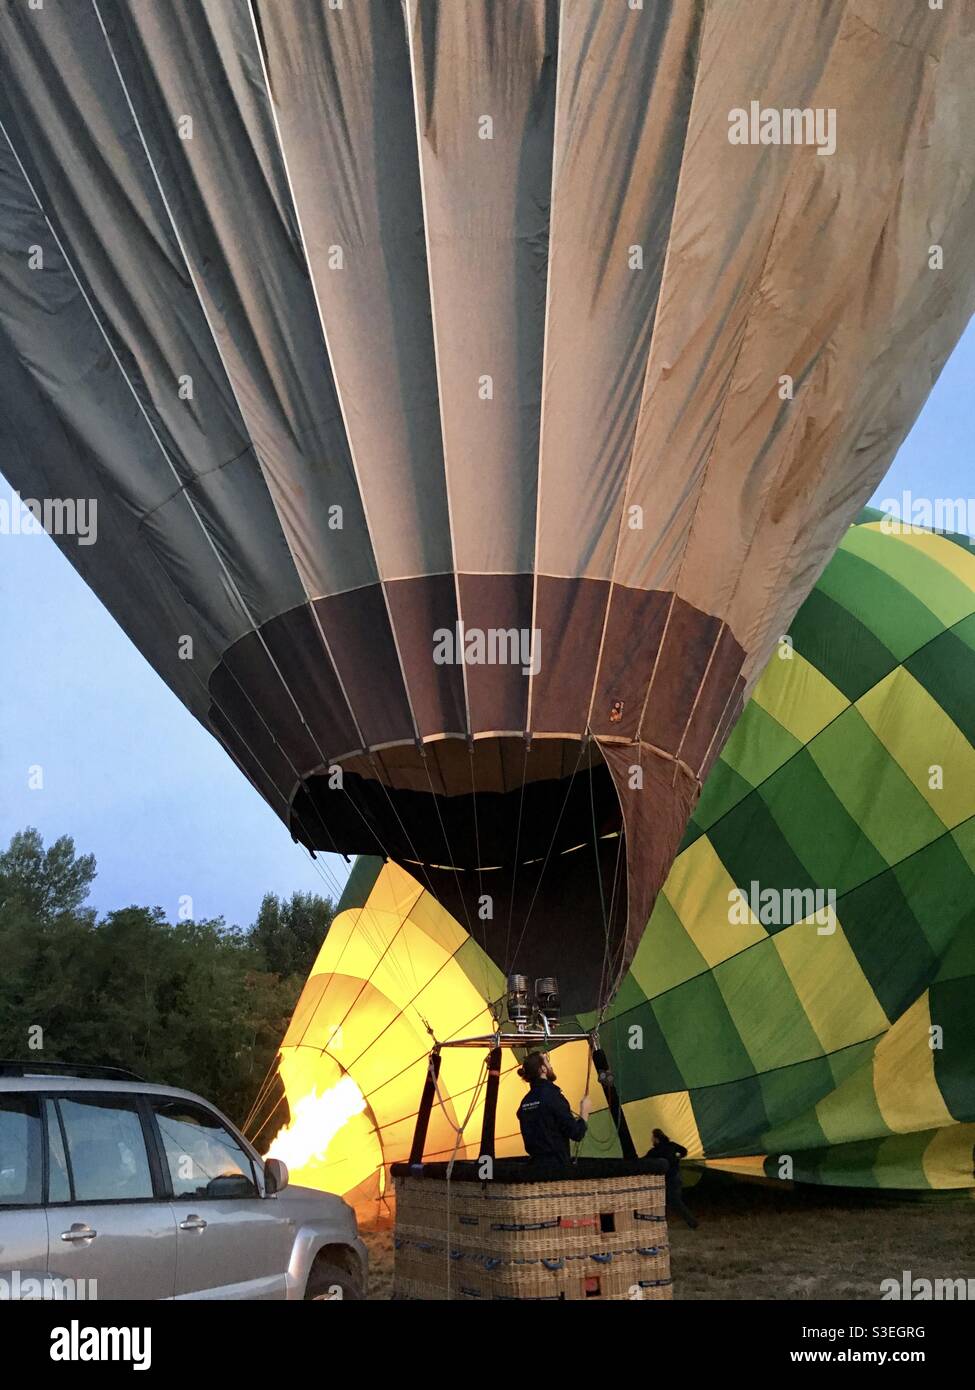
column 289, row 934
column 196, row 1004
column 45, row 882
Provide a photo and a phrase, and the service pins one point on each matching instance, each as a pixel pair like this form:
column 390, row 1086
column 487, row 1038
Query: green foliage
column 289, row 934
column 193, row 1004
column 45, row 882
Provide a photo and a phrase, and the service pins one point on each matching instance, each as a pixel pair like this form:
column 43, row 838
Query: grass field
column 760, row 1242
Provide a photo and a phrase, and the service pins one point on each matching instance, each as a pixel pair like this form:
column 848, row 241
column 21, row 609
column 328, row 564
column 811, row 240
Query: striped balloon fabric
column 468, row 397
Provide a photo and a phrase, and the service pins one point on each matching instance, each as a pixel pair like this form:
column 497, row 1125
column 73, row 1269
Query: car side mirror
column 275, row 1176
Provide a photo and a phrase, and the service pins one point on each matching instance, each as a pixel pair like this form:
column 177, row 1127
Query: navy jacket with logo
column 547, row 1123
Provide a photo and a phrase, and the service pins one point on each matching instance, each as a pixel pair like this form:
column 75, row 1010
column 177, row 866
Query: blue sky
column 137, row 781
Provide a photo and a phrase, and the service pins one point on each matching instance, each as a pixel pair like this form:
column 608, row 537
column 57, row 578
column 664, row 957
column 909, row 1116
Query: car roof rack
column 93, row 1072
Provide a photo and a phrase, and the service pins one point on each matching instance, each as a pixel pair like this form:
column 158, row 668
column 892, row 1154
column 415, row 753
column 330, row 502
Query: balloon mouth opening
column 523, row 844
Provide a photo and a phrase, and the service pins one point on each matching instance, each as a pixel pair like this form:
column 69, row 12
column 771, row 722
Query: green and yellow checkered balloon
column 839, row 1049
column 800, row 1005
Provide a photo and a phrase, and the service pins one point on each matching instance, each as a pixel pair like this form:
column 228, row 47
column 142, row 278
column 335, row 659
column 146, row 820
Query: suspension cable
column 514, row 870
column 548, row 855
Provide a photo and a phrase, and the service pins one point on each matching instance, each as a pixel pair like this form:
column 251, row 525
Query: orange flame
column 315, row 1121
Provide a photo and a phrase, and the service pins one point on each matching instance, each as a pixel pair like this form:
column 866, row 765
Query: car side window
column 58, row 1182
column 205, row 1160
column 106, row 1148
column 21, row 1164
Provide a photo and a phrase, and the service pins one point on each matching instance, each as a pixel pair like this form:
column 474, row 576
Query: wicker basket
column 572, row 1237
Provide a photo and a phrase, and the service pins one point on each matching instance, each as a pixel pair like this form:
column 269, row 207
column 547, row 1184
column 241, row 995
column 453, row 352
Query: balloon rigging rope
column 617, row 969
column 410, row 1003
column 405, row 917
column 548, row 855
column 613, row 961
column 409, row 838
column 272, row 1070
column 480, row 883
column 585, row 1092
column 366, row 908
column 605, row 970
column 407, row 1066
column 599, row 879
column 262, row 1095
column 335, row 893
column 450, row 856
column 458, row 1132
column 332, row 976
column 514, row 871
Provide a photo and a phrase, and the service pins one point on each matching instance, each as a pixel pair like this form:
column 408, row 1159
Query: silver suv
column 115, row 1188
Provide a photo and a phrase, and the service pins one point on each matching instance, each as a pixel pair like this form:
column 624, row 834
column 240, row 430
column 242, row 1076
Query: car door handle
column 193, row 1223
column 79, row 1232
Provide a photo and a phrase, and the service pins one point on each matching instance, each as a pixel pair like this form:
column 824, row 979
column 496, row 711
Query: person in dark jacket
column 547, row 1123
column 671, row 1152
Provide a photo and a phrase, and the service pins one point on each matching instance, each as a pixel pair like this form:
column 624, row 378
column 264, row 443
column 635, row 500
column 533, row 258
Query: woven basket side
column 569, row 1240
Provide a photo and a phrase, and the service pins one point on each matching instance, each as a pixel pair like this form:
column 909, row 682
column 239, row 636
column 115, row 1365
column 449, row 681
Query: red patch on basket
column 590, row 1288
column 571, row 1222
